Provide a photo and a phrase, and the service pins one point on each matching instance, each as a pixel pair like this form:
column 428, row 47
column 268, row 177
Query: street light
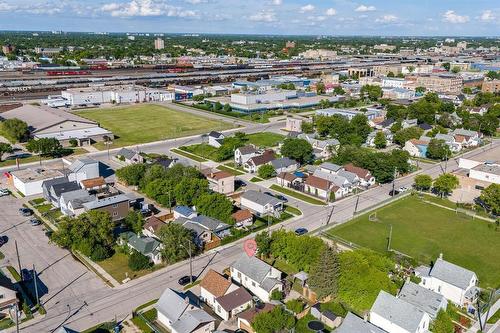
column 107, row 142
column 190, row 261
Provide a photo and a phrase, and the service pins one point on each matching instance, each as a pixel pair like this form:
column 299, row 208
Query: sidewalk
column 474, row 328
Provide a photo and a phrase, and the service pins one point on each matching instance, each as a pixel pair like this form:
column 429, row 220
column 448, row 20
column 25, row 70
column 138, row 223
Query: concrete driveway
column 60, row 276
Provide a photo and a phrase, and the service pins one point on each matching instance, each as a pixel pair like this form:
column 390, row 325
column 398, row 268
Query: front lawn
column 297, row 195
column 188, row 155
column 230, row 170
column 146, row 123
column 203, row 149
column 117, row 267
column 265, row 139
column 423, row 231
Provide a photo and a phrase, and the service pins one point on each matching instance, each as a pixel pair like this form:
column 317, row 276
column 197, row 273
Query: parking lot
column 60, row 276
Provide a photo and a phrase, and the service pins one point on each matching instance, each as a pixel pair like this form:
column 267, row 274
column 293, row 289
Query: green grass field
column 423, row 231
column 265, row 139
column 146, row 123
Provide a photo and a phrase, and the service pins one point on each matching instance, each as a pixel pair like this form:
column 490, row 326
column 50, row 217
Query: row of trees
column 179, row 185
column 383, row 166
column 354, row 131
column 443, row 184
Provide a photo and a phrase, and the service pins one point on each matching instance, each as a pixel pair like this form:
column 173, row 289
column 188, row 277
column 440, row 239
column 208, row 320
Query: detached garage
column 29, row 181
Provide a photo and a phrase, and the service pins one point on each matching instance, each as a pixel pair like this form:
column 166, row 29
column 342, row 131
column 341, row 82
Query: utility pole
column 446, row 162
column 394, row 183
column 330, row 216
column 356, row 207
column 390, row 237
column 17, row 317
column 18, row 259
column 190, row 264
column 36, row 287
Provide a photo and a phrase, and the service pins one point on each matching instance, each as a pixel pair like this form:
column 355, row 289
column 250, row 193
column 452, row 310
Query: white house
column 455, row 283
column 395, row 315
column 365, row 177
column 284, row 164
column 215, row 139
column 129, row 156
column 322, row 188
column 71, row 203
column 82, row 169
column 253, row 164
column 214, row 285
column 243, row 154
column 355, row 324
column 261, row 204
column 179, row 314
column 466, row 138
column 257, row 276
column 321, row 148
column 424, row 299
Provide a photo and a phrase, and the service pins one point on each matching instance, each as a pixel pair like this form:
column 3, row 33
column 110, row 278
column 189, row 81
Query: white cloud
column 264, row 16
column 331, row 12
column 277, row 2
column 487, row 15
column 145, row 8
column 364, row 8
column 307, row 8
column 196, row 2
column 452, row 17
column 389, row 18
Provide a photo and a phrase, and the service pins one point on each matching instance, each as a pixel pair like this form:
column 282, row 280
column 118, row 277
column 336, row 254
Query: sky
column 283, row 17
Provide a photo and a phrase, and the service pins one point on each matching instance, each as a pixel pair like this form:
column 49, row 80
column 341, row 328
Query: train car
column 99, row 67
column 67, row 73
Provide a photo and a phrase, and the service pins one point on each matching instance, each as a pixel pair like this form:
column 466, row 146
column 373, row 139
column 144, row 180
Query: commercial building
column 487, row 172
column 441, row 83
column 492, row 86
column 159, row 44
column 384, row 70
column 349, row 114
column 115, row 94
column 7, row 49
column 29, row 181
column 320, row 54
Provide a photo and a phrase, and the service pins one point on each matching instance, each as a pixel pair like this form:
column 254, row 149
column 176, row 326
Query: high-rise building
column 159, row 44
column 6, row 49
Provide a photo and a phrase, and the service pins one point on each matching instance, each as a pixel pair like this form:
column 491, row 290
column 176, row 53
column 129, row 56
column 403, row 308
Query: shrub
column 100, row 253
column 295, row 305
column 138, row 261
column 73, row 142
column 276, row 295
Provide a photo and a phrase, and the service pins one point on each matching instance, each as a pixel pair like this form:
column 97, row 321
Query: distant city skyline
column 272, row 17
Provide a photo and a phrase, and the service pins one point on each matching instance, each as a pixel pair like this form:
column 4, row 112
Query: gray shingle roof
column 77, row 198
column 268, row 283
column 190, row 320
column 51, row 182
column 61, row 188
column 246, row 150
column 351, row 177
column 126, row 153
column 335, row 179
column 423, row 298
column 354, row 324
column 283, row 162
column 252, row 267
column 451, row 273
column 397, row 311
column 234, row 299
column 330, row 166
column 171, row 304
column 210, row 223
column 144, row 245
column 260, row 198
column 80, row 163
column 106, row 201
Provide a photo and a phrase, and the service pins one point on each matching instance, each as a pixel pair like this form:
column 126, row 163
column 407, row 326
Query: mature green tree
column 297, row 149
column 438, row 150
column 380, row 141
column 266, row 171
column 442, row 323
column 188, row 190
column 491, row 197
column 407, row 134
column 390, row 74
column 324, row 273
column 176, row 241
column 320, row 88
column 132, row 174
column 135, row 221
column 338, row 90
column 360, row 127
column 44, row 147
column 420, row 90
column 446, row 66
column 396, row 127
column 423, row 182
column 137, row 261
column 263, row 241
column 455, row 70
column 445, row 184
column 493, row 75
column 16, row 129
column 372, row 91
column 215, row 205
column 276, row 320
column 227, row 108
column 307, row 127
column 5, row 148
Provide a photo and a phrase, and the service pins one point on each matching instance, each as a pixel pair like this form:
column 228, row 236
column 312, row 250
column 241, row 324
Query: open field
column 265, row 139
column 146, row 123
column 423, row 231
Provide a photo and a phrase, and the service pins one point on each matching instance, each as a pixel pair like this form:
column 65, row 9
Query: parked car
column 4, row 192
column 282, row 198
column 3, row 240
column 34, row 222
column 269, row 193
column 404, row 189
column 185, row 280
column 25, row 211
column 301, row 231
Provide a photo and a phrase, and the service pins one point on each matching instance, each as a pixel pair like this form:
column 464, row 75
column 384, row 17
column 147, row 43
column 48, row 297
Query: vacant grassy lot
column 265, row 139
column 423, row 231
column 297, row 195
column 202, row 149
column 117, row 267
column 146, row 123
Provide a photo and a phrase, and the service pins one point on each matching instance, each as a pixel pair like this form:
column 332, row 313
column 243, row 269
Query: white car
column 4, row 192
column 403, row 189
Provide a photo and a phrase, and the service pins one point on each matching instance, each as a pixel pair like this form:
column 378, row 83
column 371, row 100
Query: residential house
column 219, row 228
column 261, row 204
column 325, row 316
column 455, row 283
column 232, row 303
column 117, row 206
column 53, row 188
column 147, row 246
column 29, row 181
column 294, row 124
column 243, row 154
column 424, row 299
column 254, row 163
column 284, row 164
column 166, row 163
column 215, row 139
column 321, row 188
column 94, row 184
column 409, row 123
column 184, row 211
column 370, row 140
column 8, row 296
column 291, row 180
column 426, row 127
column 395, row 315
column 466, row 138
column 260, row 278
column 152, row 227
column 330, row 168
column 355, row 324
column 82, row 169
column 221, row 181
column 345, row 185
column 179, row 314
column 384, row 123
column 214, row 285
column 205, row 230
column 243, row 218
column 365, row 177
column 246, row 318
column 71, row 203
column 129, row 156
column 416, row 148
column 448, row 139
column 322, row 149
